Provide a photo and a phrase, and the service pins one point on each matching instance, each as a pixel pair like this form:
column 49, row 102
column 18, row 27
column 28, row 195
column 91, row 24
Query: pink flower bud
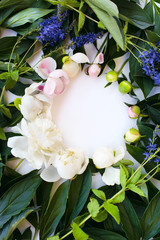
column 94, row 70
column 99, row 59
column 134, row 112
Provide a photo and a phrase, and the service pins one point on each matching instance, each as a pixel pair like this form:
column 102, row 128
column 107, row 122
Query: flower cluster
column 152, row 147
column 52, row 31
column 150, row 63
column 83, row 39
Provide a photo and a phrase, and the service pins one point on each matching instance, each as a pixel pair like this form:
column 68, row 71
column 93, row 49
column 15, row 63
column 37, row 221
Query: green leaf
column 27, row 15
column 129, row 220
column 78, row 195
column 135, row 189
column 5, row 111
column 93, row 207
column 112, row 210
column 17, row 198
column 12, row 224
column 110, row 23
column 54, row 212
column 152, row 36
column 125, row 162
column 81, row 218
column 105, row 5
column 136, row 177
column 17, row 102
column 154, row 114
column 81, row 20
column 2, row 134
column 101, row 234
column 19, row 3
column 134, row 14
column 150, row 221
column 12, row 79
column 4, row 75
column 120, row 198
column 78, row 233
column 100, row 194
column 100, row 25
column 101, row 216
column 123, row 177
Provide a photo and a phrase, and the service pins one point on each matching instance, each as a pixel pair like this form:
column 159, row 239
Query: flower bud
column 125, row 87
column 94, row 70
column 71, row 68
column 132, row 135
column 134, row 112
column 112, row 76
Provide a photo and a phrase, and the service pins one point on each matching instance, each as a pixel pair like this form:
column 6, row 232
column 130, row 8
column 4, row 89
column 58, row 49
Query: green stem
column 120, row 70
column 140, row 181
column 27, row 52
column 2, row 94
column 19, row 164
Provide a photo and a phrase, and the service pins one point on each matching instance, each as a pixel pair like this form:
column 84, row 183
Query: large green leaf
column 78, row 194
column 154, row 114
column 17, row 198
column 101, row 234
column 54, row 212
column 150, row 221
column 5, row 13
column 27, row 15
column 106, row 5
column 12, row 224
column 19, row 3
column 110, row 22
column 134, row 14
column 129, row 220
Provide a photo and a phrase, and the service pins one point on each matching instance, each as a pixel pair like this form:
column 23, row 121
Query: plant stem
column 19, row 164
column 27, row 52
column 2, row 94
column 120, row 70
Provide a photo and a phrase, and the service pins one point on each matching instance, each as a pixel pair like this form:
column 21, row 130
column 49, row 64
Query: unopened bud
column 125, row 87
column 94, row 70
column 132, row 135
column 112, row 76
column 134, row 112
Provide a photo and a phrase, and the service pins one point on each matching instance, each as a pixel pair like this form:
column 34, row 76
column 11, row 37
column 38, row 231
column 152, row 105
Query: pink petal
column 60, row 74
column 56, row 83
column 99, row 58
column 46, row 66
column 94, row 70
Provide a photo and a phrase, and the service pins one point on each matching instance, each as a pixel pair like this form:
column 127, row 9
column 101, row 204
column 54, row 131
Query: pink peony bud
column 132, row 135
column 56, row 83
column 94, row 70
column 99, row 59
column 134, row 112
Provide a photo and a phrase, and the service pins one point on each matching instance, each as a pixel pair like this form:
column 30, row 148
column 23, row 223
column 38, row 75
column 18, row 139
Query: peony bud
column 94, row 70
column 112, row 76
column 71, row 68
column 134, row 112
column 132, row 135
column 125, row 87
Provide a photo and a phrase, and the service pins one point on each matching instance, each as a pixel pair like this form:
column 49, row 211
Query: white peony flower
column 70, row 163
column 105, row 158
column 34, row 102
column 39, row 144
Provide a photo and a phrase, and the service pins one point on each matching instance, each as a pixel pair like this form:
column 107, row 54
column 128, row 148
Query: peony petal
column 94, row 70
column 60, row 87
column 103, row 157
column 60, row 74
column 111, row 176
column 19, row 146
column 50, row 174
column 99, row 59
column 46, row 66
column 119, row 155
column 49, row 87
column 4, row 32
column 84, row 166
column 80, row 58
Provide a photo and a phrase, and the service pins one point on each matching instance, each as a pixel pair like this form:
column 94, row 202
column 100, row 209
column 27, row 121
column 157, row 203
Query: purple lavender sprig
column 150, row 63
column 152, row 147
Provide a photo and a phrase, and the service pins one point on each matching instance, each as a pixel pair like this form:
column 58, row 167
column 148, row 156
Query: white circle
column 90, row 116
